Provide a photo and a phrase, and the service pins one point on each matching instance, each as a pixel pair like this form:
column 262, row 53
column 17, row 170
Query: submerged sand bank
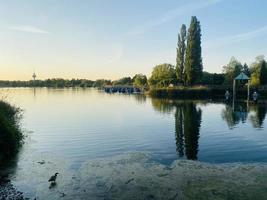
column 137, row 176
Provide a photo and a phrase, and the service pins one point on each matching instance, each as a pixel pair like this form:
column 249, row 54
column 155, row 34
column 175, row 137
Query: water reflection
column 188, row 120
column 239, row 112
column 257, row 118
column 140, row 98
column 163, row 105
column 187, row 124
column 233, row 114
column 179, row 130
column 176, row 133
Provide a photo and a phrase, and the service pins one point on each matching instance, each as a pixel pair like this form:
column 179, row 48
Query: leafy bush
column 10, row 134
column 162, row 75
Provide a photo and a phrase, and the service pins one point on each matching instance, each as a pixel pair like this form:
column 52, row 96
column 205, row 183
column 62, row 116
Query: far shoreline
column 201, row 92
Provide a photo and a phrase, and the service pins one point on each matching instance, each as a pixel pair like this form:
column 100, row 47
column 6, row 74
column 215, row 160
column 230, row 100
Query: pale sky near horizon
column 114, row 38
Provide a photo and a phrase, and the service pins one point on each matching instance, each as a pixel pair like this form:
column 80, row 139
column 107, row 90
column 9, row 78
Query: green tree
column 101, row 83
column 246, row 69
column 123, row 81
column 212, row 78
column 162, row 75
column 259, row 72
column 140, row 81
column 180, row 58
column 231, row 70
column 193, row 59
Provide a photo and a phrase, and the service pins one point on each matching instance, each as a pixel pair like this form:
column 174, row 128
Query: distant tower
column 34, row 76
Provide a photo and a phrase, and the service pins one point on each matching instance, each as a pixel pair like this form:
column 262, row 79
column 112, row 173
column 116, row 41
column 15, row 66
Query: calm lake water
column 67, row 127
column 82, row 124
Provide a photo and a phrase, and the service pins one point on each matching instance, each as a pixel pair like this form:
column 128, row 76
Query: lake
column 67, row 128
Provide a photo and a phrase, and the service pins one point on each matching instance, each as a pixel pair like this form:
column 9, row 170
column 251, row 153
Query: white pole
column 234, row 89
column 248, row 90
column 234, row 95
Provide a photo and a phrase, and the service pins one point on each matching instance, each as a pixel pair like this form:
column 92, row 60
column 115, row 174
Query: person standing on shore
column 255, row 96
column 227, row 95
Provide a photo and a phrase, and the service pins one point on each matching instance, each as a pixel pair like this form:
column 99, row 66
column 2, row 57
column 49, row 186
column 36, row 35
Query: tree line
column 139, row 80
column 257, row 71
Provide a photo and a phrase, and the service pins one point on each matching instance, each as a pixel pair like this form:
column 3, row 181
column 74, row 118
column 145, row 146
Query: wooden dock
column 121, row 89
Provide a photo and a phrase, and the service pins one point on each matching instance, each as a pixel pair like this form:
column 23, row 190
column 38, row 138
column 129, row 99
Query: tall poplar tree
column 193, row 58
column 180, row 57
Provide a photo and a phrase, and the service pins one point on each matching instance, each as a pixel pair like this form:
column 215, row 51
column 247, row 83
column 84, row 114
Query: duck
column 53, row 178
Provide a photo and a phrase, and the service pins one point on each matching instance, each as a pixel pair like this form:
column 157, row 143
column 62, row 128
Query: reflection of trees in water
column 258, row 117
column 187, row 127
column 240, row 113
column 228, row 116
column 140, row 98
column 233, row 116
column 187, row 124
column 162, row 105
column 179, row 130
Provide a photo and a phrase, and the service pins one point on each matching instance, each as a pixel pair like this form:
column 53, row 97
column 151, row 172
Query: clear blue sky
column 114, row 38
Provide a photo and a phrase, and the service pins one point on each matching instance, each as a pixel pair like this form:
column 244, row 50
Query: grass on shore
column 199, row 92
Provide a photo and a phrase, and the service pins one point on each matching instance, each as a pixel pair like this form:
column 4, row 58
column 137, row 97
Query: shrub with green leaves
column 10, row 134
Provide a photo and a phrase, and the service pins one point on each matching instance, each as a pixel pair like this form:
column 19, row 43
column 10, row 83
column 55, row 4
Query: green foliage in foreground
column 10, row 134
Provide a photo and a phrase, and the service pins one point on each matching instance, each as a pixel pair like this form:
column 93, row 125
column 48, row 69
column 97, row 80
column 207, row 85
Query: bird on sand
column 53, row 178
